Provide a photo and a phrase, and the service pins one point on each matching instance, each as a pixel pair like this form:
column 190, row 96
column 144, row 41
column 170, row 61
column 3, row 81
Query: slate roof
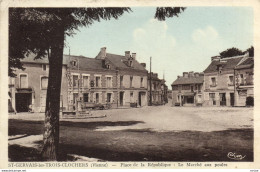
column 190, row 80
column 84, row 62
column 227, row 64
column 119, row 60
column 247, row 63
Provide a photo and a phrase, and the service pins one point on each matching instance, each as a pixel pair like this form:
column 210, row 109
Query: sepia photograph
column 151, row 84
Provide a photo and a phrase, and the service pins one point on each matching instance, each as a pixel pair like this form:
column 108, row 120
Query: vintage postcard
column 130, row 84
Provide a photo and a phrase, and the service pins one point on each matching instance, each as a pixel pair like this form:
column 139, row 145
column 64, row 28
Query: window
column 97, row 81
column 109, row 82
column 109, row 97
column 199, row 88
column 186, row 87
column 131, row 96
column 231, row 80
column 192, row 89
column 44, row 67
column 130, row 63
column 44, row 82
column 121, row 80
column 175, row 87
column 154, row 86
column 86, row 97
column 85, row 81
column 73, row 63
column 97, row 97
column 108, row 66
column 131, row 81
column 213, row 82
column 23, row 81
column 212, row 98
column 75, row 80
column 142, row 82
column 241, row 79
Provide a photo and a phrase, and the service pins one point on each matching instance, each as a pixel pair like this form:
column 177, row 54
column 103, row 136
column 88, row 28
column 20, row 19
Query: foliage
column 231, row 52
column 250, row 51
column 31, row 30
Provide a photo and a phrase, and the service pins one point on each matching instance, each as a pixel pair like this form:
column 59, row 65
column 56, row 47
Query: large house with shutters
column 114, row 79
column 131, row 78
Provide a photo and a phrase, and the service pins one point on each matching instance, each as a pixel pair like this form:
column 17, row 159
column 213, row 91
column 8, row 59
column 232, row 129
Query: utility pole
column 150, row 81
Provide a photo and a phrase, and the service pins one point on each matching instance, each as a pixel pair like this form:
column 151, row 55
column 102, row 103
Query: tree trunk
column 51, row 123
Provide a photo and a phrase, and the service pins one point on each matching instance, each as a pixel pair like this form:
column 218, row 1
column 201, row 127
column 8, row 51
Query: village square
column 164, row 98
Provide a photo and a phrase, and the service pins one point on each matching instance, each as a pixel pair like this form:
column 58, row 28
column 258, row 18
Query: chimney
column 134, row 56
column 155, row 75
column 178, row 76
column 185, row 74
column 144, row 65
column 103, row 52
column 127, row 54
column 196, row 74
column 215, row 58
column 191, row 74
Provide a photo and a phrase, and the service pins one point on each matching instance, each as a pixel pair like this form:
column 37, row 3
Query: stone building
column 28, row 89
column 187, row 90
column 114, row 79
column 131, row 78
column 158, row 91
column 219, row 81
column 244, row 82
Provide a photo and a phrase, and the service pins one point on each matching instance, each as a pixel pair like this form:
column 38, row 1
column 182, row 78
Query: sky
column 176, row 45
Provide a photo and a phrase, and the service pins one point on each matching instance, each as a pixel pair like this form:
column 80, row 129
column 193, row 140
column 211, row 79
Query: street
column 158, row 133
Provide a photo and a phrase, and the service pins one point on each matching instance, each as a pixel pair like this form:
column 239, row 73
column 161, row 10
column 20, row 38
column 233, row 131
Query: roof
column 119, row 60
column 188, row 80
column 84, row 62
column 247, row 63
column 226, row 63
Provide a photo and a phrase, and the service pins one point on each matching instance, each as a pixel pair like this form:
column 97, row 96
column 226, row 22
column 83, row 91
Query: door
column 121, row 98
column 232, row 99
column 140, row 99
column 23, row 100
column 222, row 97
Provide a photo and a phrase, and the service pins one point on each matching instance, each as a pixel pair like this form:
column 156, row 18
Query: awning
column 24, row 90
column 188, row 94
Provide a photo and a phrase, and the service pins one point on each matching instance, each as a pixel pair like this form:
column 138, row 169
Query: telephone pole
column 150, row 81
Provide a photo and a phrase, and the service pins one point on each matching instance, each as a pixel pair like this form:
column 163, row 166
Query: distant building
column 220, row 82
column 158, row 90
column 187, row 90
column 244, row 82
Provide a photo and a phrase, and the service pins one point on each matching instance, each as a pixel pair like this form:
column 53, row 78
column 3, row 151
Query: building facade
column 157, row 91
column 110, row 79
column 219, row 87
column 187, row 90
column 244, row 82
column 131, row 78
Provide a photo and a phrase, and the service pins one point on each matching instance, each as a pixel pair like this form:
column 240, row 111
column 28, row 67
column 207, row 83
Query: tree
column 250, row 51
column 42, row 31
column 231, row 52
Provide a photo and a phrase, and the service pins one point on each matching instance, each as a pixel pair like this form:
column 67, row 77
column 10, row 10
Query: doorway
column 222, row 97
column 23, row 101
column 232, row 100
column 121, row 98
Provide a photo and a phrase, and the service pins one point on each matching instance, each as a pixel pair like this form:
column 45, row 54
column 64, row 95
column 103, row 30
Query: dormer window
column 73, row 63
column 130, row 63
column 108, row 66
